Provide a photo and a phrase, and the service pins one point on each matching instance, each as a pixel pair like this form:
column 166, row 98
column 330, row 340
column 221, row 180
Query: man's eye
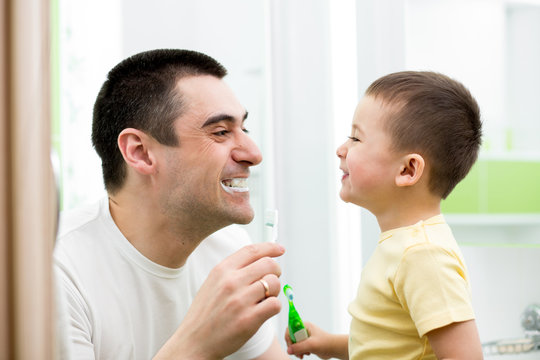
column 221, row 133
column 353, row 138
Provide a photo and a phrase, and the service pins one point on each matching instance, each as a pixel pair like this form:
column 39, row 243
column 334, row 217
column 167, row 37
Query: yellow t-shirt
column 415, row 281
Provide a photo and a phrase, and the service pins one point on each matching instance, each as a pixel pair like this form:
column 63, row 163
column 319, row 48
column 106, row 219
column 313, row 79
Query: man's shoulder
column 73, row 219
column 79, row 230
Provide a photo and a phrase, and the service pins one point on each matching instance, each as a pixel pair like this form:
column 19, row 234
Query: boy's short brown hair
column 434, row 116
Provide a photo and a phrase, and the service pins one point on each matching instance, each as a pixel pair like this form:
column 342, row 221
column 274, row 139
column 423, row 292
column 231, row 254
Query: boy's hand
column 320, row 343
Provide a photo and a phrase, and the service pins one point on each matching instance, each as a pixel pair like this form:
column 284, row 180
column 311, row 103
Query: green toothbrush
column 297, row 330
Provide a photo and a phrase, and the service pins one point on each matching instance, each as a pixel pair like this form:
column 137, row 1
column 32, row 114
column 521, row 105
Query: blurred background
column 300, row 67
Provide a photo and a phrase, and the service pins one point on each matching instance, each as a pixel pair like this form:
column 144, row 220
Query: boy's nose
column 341, row 150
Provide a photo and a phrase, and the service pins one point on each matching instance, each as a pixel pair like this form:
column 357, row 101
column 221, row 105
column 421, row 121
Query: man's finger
column 263, row 288
column 267, row 308
column 251, row 253
column 258, row 269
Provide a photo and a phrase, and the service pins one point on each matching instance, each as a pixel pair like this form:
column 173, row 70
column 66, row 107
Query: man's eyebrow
column 222, row 117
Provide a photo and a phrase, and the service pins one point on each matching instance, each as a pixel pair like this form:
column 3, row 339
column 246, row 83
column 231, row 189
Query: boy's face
column 369, row 165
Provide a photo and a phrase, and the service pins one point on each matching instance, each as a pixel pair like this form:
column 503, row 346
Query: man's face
column 204, row 179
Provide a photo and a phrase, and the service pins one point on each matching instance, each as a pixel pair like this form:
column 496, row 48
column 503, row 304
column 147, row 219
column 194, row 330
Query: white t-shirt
column 121, row 305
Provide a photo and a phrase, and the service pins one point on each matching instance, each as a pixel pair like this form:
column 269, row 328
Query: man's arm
column 458, row 340
column 229, row 307
column 72, row 318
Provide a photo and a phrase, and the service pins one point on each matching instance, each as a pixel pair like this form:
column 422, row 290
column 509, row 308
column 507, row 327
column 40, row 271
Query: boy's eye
column 353, row 138
column 245, row 130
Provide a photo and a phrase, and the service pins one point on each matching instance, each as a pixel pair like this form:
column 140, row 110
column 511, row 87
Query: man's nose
column 247, row 151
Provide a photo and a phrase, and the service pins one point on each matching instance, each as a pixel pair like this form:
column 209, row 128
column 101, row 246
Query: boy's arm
column 320, row 343
column 456, row 341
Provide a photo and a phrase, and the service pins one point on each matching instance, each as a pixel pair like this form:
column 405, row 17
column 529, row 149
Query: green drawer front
column 497, row 187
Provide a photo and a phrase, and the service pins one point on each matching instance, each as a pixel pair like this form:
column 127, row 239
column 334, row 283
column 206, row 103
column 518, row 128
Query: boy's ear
column 411, row 170
column 134, row 146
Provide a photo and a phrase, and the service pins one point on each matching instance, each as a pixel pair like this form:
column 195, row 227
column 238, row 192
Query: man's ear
column 134, row 146
column 411, row 170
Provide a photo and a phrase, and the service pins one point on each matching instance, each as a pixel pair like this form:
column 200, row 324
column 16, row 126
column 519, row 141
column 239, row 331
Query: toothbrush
column 271, row 220
column 297, row 330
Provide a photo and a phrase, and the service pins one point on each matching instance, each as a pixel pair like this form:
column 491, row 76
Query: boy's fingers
column 300, row 348
column 287, row 337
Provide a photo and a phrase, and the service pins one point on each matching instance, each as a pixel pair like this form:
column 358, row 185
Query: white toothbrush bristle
column 271, row 220
column 289, row 294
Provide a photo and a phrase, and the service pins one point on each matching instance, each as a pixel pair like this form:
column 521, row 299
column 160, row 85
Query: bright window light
column 347, row 254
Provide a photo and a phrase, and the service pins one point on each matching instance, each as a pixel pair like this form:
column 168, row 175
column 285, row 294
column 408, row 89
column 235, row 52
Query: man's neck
column 161, row 239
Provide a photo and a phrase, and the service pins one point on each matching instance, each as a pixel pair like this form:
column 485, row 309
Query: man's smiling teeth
column 235, row 185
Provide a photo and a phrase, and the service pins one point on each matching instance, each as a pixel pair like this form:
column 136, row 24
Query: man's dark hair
column 141, row 92
column 434, row 116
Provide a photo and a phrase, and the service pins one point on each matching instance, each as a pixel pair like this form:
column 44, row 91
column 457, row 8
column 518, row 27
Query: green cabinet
column 497, row 187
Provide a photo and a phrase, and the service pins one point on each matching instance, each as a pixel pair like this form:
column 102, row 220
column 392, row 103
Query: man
column 143, row 270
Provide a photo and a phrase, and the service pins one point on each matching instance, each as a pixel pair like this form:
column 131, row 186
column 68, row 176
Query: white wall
column 304, row 152
column 88, row 49
column 523, row 80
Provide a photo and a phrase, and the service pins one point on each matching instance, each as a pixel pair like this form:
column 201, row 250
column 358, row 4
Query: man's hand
column 230, row 306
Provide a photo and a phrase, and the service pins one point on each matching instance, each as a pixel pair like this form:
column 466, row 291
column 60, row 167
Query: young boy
column 414, row 136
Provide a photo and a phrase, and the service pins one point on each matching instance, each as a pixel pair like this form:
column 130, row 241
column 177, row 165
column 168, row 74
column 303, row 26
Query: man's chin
column 244, row 220
column 243, row 217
